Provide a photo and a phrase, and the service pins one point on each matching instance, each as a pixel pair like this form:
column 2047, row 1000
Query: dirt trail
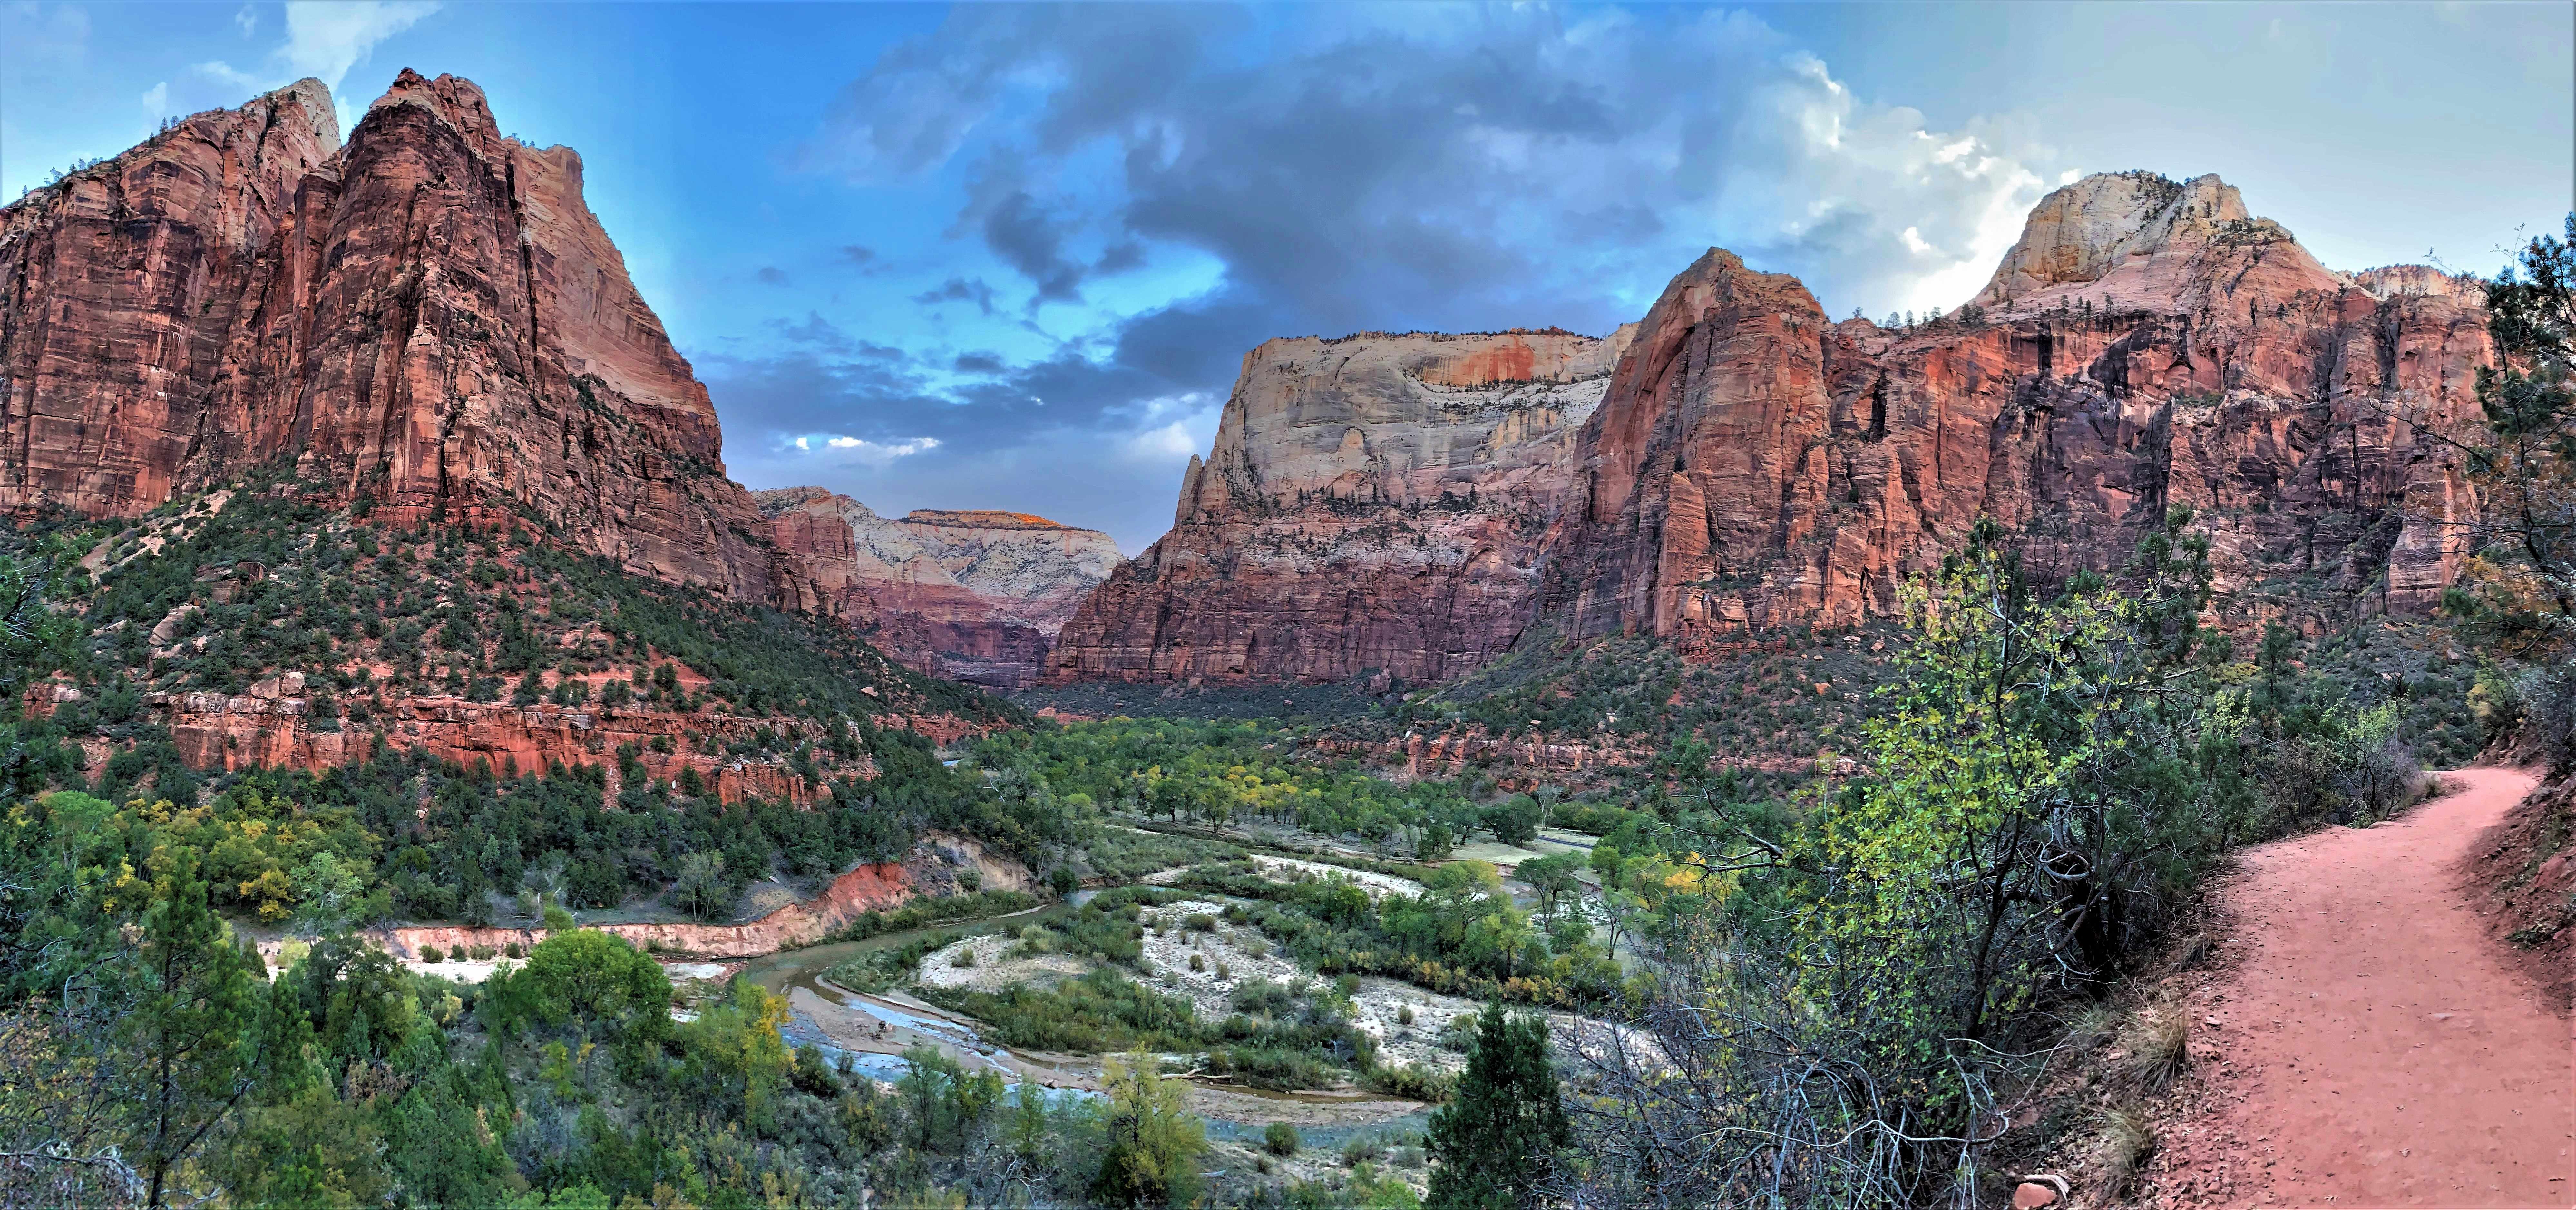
column 2373, row 1049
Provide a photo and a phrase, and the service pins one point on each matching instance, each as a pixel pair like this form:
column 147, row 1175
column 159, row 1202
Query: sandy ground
column 991, row 973
column 1377, row 885
column 2372, row 1048
column 475, row 972
column 1227, row 961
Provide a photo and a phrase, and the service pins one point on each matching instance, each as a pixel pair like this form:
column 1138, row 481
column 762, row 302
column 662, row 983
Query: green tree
column 195, row 996
column 2521, row 586
column 1154, row 1142
column 1499, row 1140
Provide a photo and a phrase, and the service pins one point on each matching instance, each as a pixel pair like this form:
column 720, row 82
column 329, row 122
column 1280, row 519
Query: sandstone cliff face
column 975, row 595
column 1372, row 502
column 2148, row 344
column 119, row 288
column 428, row 317
column 1752, row 464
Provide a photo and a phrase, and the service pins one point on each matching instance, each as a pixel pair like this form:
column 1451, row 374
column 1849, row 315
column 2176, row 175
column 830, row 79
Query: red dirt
column 2374, row 1048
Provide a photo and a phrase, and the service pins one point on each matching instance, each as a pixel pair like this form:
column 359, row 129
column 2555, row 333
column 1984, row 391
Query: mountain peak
column 2131, row 238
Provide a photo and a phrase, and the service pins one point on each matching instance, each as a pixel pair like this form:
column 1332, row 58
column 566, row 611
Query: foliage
column 1154, row 1144
column 1499, row 1141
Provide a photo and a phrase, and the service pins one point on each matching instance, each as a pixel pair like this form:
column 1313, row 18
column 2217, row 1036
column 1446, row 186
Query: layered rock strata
column 1372, row 503
column 975, row 595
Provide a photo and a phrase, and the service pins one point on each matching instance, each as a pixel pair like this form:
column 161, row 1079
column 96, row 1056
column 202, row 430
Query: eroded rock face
column 428, row 317
column 971, row 594
column 2147, row 345
column 119, row 290
column 1751, row 464
column 1372, row 502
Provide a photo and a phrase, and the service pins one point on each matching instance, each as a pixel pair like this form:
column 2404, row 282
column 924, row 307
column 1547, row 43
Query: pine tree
column 195, row 998
column 1497, row 1142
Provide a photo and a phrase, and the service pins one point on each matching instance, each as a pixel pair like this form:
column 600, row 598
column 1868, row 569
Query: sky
column 994, row 256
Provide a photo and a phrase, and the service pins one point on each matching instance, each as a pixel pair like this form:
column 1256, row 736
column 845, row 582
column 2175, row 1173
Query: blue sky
column 1011, row 257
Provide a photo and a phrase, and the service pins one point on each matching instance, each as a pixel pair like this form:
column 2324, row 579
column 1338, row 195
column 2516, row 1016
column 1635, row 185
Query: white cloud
column 861, row 451
column 156, row 100
column 325, row 39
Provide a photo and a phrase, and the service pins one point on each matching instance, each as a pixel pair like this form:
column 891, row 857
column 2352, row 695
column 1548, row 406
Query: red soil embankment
column 874, row 887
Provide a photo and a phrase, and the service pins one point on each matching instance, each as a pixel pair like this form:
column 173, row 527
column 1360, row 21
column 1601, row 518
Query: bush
column 431, row 953
column 1280, row 1139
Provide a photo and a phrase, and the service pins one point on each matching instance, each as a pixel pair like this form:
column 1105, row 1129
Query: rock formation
column 428, row 318
column 1372, row 503
column 1411, row 503
column 975, row 595
column 2146, row 345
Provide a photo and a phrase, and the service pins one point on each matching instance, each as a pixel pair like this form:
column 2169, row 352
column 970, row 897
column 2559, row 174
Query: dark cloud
column 959, row 289
column 858, row 254
column 772, row 275
column 1368, row 169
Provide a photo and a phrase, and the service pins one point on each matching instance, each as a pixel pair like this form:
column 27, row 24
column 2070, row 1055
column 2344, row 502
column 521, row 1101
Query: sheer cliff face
column 975, row 594
column 119, row 288
column 428, row 316
column 1372, row 503
column 2146, row 345
column 1752, row 464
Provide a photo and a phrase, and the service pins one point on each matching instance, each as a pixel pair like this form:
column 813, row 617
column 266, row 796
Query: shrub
column 1280, row 1139
column 431, row 953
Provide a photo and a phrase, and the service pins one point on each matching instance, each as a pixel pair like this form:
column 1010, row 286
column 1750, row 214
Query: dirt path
column 2372, row 1048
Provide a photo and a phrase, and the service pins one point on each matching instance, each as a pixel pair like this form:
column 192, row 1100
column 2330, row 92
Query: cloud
column 1344, row 169
column 156, row 100
column 1387, row 167
column 959, row 289
column 325, row 39
column 861, row 451
column 772, row 275
column 858, row 254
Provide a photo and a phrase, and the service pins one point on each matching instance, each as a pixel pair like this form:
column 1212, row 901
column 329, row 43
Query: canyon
column 1738, row 462
column 982, row 592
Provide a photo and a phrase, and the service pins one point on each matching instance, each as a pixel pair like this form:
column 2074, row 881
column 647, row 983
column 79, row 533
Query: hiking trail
column 2368, row 1045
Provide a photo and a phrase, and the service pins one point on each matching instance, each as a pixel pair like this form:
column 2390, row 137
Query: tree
column 1551, row 876
column 1498, row 1140
column 2523, row 581
column 1154, row 1143
column 194, row 998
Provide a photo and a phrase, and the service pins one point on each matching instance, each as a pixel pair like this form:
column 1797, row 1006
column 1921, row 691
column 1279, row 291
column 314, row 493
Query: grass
column 2126, row 1141
column 2158, row 1046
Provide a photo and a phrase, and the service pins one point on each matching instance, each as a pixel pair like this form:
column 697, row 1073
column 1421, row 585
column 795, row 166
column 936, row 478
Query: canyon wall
column 2146, row 345
column 1742, row 462
column 1372, row 503
column 428, row 318
column 974, row 595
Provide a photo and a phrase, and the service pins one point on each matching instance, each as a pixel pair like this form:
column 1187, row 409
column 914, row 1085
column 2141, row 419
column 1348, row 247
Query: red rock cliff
column 974, row 595
column 428, row 316
column 1372, row 502
column 2147, row 344
column 1411, row 503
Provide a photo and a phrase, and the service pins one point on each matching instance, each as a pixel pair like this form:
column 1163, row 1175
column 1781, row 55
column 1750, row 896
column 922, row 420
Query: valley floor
column 2369, row 1046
